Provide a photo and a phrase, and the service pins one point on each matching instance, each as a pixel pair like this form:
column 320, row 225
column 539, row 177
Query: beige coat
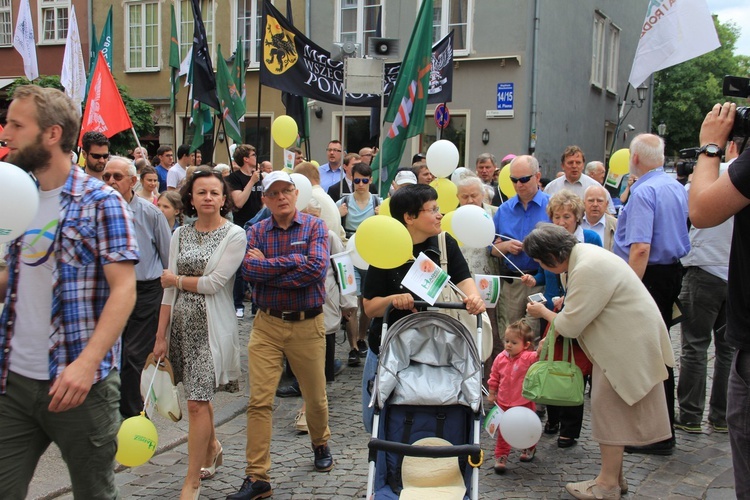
column 616, row 322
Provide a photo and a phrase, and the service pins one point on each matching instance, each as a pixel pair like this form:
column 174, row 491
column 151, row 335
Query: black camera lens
column 742, row 122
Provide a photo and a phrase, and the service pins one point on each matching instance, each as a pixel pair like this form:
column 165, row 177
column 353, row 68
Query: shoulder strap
column 375, row 201
column 443, row 251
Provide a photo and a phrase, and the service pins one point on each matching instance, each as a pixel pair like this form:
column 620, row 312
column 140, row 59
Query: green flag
column 174, row 61
column 203, row 121
column 408, row 101
column 229, row 99
column 238, row 74
column 105, row 41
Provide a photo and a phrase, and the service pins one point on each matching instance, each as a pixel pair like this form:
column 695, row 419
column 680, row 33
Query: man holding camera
column 713, row 199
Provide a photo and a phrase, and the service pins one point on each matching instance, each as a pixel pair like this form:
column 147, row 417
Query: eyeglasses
column 363, row 181
column 117, row 175
column 366, row 154
column 522, row 180
column 99, row 156
column 434, row 210
column 332, row 150
column 275, row 194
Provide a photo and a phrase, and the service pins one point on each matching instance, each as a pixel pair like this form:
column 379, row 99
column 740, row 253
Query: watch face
column 711, row 150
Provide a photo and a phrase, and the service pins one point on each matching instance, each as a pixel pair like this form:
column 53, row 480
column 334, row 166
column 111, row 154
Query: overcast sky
column 737, row 11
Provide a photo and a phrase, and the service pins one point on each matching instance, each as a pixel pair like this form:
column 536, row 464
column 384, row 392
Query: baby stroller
column 427, row 397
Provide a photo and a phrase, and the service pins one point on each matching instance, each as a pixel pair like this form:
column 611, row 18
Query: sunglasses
column 362, row 181
column 117, row 176
column 522, row 180
column 98, row 156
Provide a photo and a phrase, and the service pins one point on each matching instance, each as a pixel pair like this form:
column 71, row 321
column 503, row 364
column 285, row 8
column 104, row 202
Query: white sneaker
column 240, row 312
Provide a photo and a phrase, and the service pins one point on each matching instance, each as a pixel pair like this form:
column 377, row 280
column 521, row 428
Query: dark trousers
column 570, row 419
column 238, row 292
column 663, row 283
column 137, row 342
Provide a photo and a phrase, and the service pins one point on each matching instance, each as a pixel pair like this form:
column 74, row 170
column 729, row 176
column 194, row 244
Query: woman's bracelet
column 179, row 282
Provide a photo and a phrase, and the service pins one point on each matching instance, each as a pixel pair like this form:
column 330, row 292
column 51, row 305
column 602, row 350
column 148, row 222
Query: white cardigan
column 216, row 284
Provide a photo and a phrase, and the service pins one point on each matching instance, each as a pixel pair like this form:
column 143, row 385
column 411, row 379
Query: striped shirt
column 96, row 229
column 292, row 275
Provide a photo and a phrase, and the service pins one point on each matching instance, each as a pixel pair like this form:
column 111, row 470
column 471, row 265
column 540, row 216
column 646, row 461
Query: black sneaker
column 353, row 359
column 290, row 391
column 362, row 346
column 250, row 490
column 323, row 458
column 665, row 447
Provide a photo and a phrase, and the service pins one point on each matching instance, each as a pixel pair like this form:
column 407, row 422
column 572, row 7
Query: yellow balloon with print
column 385, row 207
column 136, row 441
column 284, row 131
column 383, row 242
column 619, row 163
column 446, row 224
column 504, row 182
column 447, row 194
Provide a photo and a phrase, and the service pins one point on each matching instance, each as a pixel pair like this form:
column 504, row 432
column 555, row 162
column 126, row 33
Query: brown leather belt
column 294, row 315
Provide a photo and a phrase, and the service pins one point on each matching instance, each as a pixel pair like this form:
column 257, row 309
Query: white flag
column 73, row 74
column 185, row 65
column 23, row 41
column 674, row 31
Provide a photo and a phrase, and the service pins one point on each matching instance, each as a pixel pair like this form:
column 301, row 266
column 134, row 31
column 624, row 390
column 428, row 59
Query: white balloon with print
column 19, row 201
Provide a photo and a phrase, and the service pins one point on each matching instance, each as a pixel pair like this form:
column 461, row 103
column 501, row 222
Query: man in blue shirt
column 514, row 220
column 331, row 173
column 652, row 236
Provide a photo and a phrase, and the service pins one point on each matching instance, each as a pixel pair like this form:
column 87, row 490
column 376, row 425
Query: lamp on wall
column 662, row 129
column 624, row 109
column 220, row 137
column 485, row 136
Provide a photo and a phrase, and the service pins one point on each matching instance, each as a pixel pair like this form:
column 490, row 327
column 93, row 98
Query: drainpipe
column 534, row 79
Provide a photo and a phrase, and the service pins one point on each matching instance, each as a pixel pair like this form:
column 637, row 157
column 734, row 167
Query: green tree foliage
column 684, row 93
column 141, row 113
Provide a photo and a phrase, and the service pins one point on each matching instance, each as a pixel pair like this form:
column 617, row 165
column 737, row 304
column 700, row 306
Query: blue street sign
column 442, row 116
column 505, row 96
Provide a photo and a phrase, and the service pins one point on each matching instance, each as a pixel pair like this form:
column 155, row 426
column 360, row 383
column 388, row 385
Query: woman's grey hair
column 470, row 179
column 550, row 244
column 313, row 206
column 221, row 168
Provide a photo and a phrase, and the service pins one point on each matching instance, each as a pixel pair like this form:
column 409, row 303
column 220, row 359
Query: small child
column 506, row 382
column 170, row 204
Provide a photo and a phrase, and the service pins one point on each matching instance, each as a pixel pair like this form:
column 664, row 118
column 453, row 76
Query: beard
column 33, row 158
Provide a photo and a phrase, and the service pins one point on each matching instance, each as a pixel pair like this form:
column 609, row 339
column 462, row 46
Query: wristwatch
column 711, row 150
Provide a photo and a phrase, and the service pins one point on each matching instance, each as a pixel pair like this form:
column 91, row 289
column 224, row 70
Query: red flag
column 105, row 111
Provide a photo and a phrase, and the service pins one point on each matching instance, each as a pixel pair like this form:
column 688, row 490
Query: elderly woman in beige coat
column 619, row 327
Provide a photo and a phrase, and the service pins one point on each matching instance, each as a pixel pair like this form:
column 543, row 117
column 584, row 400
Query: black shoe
column 362, row 346
column 250, row 490
column 563, row 442
column 665, row 447
column 323, row 458
column 550, row 428
column 290, row 391
column 353, row 359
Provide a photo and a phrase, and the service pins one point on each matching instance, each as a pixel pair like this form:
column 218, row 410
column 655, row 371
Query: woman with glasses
column 197, row 315
column 354, row 209
column 415, row 206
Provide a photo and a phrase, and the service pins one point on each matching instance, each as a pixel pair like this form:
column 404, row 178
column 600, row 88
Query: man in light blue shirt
column 331, row 173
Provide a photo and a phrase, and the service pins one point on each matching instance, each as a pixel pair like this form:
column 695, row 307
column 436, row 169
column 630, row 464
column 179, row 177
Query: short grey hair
column 550, row 244
column 485, row 157
column 470, row 179
column 313, row 206
column 533, row 162
column 650, row 151
column 131, row 170
column 221, row 168
column 591, row 166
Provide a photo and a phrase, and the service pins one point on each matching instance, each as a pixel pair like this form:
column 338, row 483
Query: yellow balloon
column 447, row 194
column 136, row 441
column 504, row 182
column 284, row 131
column 619, row 163
column 315, row 163
column 385, row 207
column 383, row 242
column 446, row 224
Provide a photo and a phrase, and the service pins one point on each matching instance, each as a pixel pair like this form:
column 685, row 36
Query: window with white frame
column 597, row 52
column 357, row 20
column 142, row 36
column 6, row 23
column 185, row 21
column 250, row 27
column 53, row 18
column 453, row 15
column 613, row 61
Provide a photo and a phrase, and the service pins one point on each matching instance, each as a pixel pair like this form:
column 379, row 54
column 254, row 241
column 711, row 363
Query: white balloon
column 19, row 201
column 302, row 183
column 459, row 174
column 473, row 226
column 520, row 427
column 357, row 259
column 442, row 158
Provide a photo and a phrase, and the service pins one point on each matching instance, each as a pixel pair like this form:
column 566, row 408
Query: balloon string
column 506, row 258
column 457, row 290
column 151, row 386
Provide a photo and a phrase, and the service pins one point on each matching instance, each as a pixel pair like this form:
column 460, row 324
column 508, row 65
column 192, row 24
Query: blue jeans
column 368, row 376
column 703, row 299
column 738, row 420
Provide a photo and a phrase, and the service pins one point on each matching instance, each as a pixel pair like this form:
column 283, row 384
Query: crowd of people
column 166, row 260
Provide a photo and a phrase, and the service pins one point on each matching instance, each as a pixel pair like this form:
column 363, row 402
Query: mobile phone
column 537, row 297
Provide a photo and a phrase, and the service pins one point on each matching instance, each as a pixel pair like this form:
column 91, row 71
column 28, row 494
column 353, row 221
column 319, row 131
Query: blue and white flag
column 24, row 42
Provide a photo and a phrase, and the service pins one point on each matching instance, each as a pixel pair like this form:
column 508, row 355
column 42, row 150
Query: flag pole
column 136, row 137
column 257, row 117
column 380, row 144
column 343, row 131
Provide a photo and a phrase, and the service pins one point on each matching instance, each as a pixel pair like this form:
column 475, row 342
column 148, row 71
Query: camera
column 737, row 86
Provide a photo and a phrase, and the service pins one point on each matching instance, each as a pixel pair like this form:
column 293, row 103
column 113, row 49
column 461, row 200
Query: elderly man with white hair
column 595, row 216
column 595, row 170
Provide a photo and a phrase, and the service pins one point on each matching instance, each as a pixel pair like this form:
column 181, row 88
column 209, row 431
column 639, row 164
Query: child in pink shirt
column 506, row 383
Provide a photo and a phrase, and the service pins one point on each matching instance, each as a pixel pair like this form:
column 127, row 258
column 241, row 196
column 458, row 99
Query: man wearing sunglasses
column 96, row 151
column 514, row 220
